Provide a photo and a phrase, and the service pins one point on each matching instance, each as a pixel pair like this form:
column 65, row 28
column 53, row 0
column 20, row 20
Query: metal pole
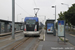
column 17, row 18
column 13, row 18
column 65, row 4
column 64, row 31
column 55, row 19
column 36, row 15
column 55, row 13
column 45, row 18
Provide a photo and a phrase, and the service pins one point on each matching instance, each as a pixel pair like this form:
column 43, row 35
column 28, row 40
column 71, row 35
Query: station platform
column 4, row 34
column 51, row 43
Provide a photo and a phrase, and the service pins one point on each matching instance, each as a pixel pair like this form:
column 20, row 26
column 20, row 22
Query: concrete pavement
column 51, row 43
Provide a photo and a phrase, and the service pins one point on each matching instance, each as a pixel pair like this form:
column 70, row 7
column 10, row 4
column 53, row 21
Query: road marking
column 44, row 36
column 72, row 35
column 71, row 44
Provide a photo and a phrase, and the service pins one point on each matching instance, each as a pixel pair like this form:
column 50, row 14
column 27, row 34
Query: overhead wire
column 23, row 9
column 35, row 3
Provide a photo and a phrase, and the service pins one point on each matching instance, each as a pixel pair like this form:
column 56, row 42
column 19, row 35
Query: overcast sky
column 25, row 8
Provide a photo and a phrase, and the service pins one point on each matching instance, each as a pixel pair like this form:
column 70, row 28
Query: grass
column 45, row 28
column 61, row 39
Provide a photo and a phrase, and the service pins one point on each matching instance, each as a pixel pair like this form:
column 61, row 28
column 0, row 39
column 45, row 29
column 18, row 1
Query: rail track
column 19, row 44
column 27, row 44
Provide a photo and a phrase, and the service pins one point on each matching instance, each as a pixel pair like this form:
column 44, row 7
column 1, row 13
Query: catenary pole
column 13, row 18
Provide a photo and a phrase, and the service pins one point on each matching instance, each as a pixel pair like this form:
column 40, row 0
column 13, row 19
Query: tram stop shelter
column 50, row 27
column 6, row 26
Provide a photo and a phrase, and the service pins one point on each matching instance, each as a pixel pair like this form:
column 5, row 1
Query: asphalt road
column 70, row 38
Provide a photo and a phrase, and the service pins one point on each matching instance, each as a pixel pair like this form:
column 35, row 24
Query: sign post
column 61, row 29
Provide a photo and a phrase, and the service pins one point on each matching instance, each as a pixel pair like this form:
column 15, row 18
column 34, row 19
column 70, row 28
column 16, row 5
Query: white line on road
column 44, row 35
column 71, row 44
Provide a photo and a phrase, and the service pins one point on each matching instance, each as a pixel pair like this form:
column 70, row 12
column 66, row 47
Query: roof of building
column 1, row 20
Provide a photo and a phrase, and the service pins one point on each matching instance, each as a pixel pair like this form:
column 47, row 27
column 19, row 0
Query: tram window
column 30, row 22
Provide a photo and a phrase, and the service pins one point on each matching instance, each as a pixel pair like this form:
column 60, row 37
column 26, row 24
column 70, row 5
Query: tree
column 61, row 16
column 70, row 14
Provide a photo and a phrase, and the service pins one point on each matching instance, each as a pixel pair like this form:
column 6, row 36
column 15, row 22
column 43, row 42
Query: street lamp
column 55, row 17
column 55, row 11
column 17, row 16
column 36, row 11
column 65, row 4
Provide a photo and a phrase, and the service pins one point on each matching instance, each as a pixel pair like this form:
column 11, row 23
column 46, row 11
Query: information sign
column 61, row 28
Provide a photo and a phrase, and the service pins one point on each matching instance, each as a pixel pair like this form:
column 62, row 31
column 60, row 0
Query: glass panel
column 2, row 27
column 30, row 22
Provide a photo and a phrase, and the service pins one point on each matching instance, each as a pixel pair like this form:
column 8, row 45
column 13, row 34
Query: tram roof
column 31, row 18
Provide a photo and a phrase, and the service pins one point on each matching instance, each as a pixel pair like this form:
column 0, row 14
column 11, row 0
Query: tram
column 31, row 26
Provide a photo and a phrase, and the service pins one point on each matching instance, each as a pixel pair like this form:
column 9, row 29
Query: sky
column 25, row 8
